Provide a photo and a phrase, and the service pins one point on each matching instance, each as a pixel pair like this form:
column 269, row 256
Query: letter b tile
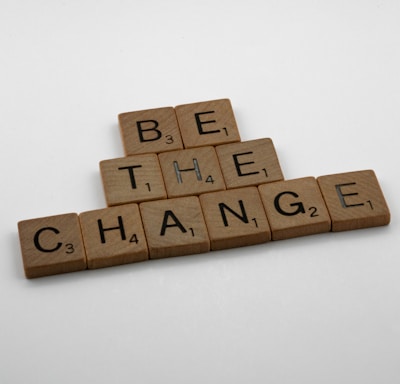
column 151, row 130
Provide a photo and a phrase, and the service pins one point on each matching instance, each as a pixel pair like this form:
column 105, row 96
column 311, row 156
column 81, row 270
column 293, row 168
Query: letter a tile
column 132, row 179
column 354, row 200
column 51, row 245
column 174, row 227
column 295, row 208
column 150, row 131
column 235, row 218
column 113, row 236
column 249, row 163
column 207, row 123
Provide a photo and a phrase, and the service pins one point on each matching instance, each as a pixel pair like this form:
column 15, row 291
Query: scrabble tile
column 249, row 163
column 132, row 179
column 174, row 227
column 150, row 131
column 354, row 200
column 51, row 245
column 207, row 123
column 235, row 218
column 295, row 208
column 191, row 171
column 113, row 236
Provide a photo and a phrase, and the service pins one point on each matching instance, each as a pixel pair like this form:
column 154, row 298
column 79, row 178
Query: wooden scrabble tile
column 51, row 245
column 295, row 208
column 113, row 236
column 132, row 179
column 249, row 163
column 150, row 131
column 174, row 227
column 207, row 123
column 191, row 171
column 235, row 218
column 354, row 200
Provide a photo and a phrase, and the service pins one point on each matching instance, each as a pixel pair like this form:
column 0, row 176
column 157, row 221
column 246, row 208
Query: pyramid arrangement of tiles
column 188, row 185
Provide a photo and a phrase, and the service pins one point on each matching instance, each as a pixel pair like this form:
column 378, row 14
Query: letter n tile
column 235, row 218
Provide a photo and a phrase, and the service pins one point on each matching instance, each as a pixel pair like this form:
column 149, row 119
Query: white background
column 321, row 78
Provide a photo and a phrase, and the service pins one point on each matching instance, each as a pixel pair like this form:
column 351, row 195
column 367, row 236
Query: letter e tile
column 132, row 179
column 51, row 245
column 354, row 200
column 295, row 208
column 235, row 218
column 150, row 131
column 207, row 123
column 174, row 227
column 249, row 163
column 113, row 236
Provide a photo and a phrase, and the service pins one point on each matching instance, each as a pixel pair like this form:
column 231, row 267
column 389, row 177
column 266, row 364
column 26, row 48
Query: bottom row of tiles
column 195, row 224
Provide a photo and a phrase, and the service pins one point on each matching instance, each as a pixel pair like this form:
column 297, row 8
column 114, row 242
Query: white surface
column 320, row 78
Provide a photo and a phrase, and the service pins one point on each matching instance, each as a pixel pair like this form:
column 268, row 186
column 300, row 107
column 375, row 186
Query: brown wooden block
column 354, row 200
column 191, row 171
column 174, row 227
column 150, row 131
column 295, row 208
column 235, row 218
column 207, row 123
column 132, row 179
column 113, row 236
column 51, row 245
column 249, row 163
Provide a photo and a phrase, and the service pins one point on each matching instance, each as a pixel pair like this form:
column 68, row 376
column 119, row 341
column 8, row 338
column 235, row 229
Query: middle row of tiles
column 188, row 172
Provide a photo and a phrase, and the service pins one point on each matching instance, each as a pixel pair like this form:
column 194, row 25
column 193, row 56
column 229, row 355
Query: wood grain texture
column 207, row 123
column 150, row 131
column 132, row 179
column 174, row 227
column 354, row 200
column 235, row 218
column 51, row 245
column 191, row 172
column 249, row 163
column 113, row 236
column 295, row 208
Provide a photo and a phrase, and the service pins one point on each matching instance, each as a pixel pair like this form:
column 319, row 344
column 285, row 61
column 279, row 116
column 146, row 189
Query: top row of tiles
column 185, row 126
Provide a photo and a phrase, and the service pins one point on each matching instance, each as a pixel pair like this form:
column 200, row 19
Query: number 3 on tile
column 70, row 248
